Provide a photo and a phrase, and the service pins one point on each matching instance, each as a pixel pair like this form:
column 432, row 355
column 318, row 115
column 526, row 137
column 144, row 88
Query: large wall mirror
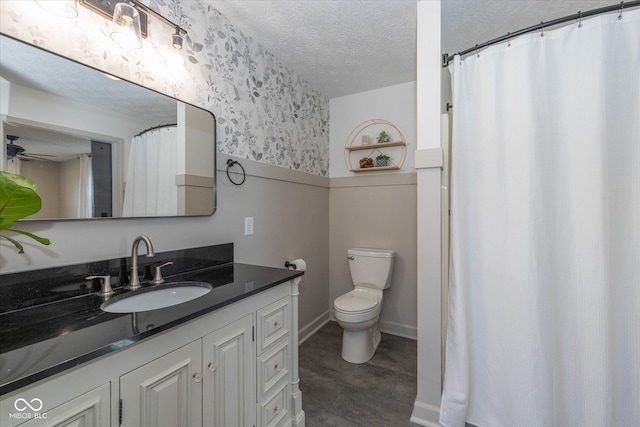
column 100, row 147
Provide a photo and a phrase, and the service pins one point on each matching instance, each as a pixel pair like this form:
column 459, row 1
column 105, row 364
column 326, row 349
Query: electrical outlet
column 248, row 226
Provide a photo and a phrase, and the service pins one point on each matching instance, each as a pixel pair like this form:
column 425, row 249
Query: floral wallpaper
column 264, row 111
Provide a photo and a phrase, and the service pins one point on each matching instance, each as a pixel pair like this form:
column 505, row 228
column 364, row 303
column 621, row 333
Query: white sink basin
column 156, row 297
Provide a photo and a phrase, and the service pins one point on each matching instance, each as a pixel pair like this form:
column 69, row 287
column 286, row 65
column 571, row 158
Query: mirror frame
column 214, row 141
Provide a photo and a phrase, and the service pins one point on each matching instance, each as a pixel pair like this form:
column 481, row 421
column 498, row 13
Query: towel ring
column 231, row 163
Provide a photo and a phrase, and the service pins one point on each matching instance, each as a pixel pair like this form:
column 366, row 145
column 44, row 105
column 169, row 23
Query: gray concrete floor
column 337, row 393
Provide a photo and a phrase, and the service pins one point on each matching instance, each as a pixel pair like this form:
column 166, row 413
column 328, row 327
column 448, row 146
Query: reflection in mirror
column 100, row 147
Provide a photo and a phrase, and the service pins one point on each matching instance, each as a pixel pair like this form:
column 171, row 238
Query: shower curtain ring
column 621, row 7
column 579, row 19
column 508, row 39
column 542, row 29
column 477, row 53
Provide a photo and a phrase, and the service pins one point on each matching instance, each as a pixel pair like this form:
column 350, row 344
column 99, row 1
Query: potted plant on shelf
column 18, row 199
column 382, row 160
column 383, row 137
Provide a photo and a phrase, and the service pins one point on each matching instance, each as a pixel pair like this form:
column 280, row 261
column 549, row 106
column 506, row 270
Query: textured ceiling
column 343, row 47
column 339, row 46
column 29, row 66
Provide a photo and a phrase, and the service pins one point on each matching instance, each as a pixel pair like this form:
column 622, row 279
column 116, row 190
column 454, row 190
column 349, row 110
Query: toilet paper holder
column 296, row 264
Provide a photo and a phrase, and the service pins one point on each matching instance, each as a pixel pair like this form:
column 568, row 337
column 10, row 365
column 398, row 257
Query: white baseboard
column 305, row 332
column 425, row 414
column 398, row 329
column 392, row 328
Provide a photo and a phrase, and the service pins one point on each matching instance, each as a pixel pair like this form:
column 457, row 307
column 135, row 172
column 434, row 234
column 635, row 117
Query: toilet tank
column 371, row 267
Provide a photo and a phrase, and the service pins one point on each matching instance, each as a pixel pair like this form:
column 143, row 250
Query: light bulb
column 125, row 28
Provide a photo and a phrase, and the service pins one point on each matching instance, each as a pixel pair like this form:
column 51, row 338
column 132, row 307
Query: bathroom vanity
column 228, row 358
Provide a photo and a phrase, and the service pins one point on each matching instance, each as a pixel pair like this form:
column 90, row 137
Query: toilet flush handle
column 351, row 257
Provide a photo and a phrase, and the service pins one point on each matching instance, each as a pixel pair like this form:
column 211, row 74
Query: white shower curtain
column 85, row 186
column 544, row 298
column 150, row 188
column 14, row 166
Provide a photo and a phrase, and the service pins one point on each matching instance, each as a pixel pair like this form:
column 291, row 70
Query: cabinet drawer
column 274, row 410
column 274, row 322
column 272, row 367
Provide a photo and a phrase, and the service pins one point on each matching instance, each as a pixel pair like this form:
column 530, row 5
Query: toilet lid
column 356, row 301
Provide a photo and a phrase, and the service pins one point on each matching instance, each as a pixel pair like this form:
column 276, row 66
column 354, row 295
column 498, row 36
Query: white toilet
column 358, row 310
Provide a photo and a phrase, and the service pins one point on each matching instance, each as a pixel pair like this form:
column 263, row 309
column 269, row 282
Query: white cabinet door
column 228, row 386
column 166, row 392
column 89, row 410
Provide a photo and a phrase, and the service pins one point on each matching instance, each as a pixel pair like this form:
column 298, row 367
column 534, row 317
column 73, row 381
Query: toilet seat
column 356, row 302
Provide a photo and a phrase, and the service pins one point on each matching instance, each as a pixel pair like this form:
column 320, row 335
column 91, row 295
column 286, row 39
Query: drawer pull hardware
column 275, row 409
column 196, row 377
column 211, row 366
column 277, row 325
column 277, row 367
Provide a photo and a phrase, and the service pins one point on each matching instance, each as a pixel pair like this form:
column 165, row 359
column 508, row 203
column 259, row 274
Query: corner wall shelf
column 358, row 136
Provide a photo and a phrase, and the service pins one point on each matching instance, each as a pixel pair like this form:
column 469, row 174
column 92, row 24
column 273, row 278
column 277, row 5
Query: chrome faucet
column 134, row 281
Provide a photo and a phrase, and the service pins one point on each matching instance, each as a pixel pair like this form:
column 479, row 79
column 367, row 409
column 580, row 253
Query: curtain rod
column 168, row 125
column 576, row 16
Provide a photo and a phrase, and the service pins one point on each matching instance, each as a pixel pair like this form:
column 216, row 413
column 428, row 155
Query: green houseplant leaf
column 18, row 199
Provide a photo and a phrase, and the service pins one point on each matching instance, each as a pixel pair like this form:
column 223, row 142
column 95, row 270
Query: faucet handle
column 105, row 281
column 157, row 277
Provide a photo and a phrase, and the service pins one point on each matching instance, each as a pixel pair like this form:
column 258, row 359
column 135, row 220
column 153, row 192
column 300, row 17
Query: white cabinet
column 165, row 392
column 274, row 409
column 273, row 367
column 236, row 366
column 274, row 323
column 228, row 379
column 88, row 410
column 209, row 382
column 274, row 364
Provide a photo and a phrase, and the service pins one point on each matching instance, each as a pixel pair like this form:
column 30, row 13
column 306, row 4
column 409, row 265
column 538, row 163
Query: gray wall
column 377, row 211
column 291, row 220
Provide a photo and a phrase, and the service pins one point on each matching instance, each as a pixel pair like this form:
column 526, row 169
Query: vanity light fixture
column 125, row 27
column 61, row 8
column 177, row 39
column 122, row 14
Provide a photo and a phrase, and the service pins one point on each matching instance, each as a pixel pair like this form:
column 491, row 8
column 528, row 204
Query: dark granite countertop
column 44, row 333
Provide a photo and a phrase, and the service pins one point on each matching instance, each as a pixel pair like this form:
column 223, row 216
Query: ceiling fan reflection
column 16, row 151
